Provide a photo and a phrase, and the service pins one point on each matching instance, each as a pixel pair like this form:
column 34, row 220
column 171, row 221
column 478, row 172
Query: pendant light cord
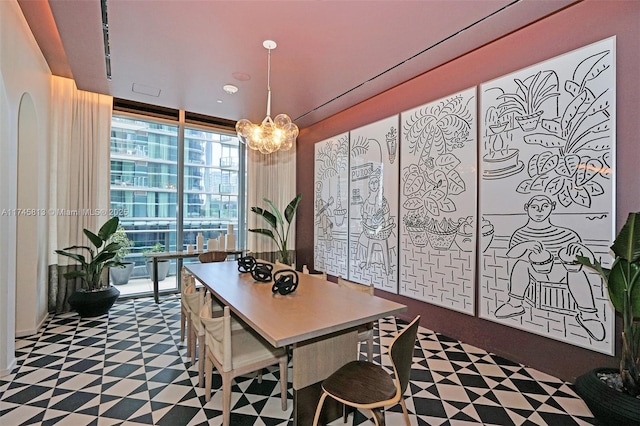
column 269, row 83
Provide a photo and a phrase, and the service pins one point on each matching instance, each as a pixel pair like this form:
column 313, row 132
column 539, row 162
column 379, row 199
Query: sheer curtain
column 79, row 177
column 271, row 176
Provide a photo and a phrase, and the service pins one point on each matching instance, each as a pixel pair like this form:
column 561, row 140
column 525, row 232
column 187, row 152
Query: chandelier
column 270, row 135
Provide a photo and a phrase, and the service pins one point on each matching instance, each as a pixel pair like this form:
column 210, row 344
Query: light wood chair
column 237, row 353
column 212, row 256
column 365, row 332
column 365, row 385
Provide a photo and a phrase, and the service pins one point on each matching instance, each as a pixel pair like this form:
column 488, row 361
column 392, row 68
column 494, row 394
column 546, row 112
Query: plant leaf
column 627, row 243
column 456, row 183
column 290, row 211
column 432, row 206
column 555, row 185
column 588, row 170
column 547, row 162
column 524, row 187
column 108, row 229
column 580, row 196
column 266, row 214
column 95, row 239
column 274, row 211
column 447, row 205
column 263, row 231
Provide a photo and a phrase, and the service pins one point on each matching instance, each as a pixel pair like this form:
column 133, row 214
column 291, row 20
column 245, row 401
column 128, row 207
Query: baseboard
column 9, row 369
column 31, row 332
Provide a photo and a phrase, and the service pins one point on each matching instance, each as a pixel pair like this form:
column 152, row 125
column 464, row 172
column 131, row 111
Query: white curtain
column 271, row 176
column 79, row 176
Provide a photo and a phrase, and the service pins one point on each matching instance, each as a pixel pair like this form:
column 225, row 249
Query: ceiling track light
column 270, row 135
column 105, row 38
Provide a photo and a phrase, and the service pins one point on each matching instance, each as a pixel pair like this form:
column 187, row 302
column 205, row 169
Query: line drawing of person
column 323, row 222
column 376, row 221
column 545, row 252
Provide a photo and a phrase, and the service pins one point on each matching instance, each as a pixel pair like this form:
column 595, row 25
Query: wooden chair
column 235, row 354
column 365, row 332
column 212, row 256
column 364, row 385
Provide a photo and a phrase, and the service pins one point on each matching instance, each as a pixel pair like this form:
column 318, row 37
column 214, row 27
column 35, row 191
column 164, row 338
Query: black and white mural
column 331, row 205
column 438, row 182
column 373, row 204
column 547, row 194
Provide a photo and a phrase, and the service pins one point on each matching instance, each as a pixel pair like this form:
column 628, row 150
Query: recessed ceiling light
column 241, row 76
column 145, row 90
column 219, row 101
column 230, row 88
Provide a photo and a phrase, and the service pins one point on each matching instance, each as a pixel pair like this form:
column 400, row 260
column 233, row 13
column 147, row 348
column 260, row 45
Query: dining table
column 177, row 255
column 318, row 322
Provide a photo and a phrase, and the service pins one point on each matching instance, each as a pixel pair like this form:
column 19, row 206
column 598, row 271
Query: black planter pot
column 94, row 303
column 609, row 406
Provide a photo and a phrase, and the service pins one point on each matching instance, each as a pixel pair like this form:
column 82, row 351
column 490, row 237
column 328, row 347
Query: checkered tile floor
column 129, row 368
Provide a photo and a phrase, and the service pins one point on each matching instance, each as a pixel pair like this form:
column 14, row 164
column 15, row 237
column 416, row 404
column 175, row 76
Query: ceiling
column 331, row 54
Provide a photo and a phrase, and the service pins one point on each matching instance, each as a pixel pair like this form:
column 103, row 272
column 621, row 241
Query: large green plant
column 623, row 284
column 120, row 236
column 101, row 255
column 279, row 233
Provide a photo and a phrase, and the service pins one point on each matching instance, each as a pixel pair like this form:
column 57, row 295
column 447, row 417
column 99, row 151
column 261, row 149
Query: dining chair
column 322, row 275
column 235, row 353
column 365, row 332
column 195, row 301
column 365, row 385
column 212, row 256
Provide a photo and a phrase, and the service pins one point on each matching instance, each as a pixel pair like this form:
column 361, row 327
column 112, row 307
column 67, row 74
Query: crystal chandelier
column 270, row 135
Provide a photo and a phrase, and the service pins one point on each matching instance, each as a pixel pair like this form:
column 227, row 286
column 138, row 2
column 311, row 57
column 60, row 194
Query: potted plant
column 120, row 275
column 619, row 406
column 274, row 219
column 163, row 264
column 96, row 296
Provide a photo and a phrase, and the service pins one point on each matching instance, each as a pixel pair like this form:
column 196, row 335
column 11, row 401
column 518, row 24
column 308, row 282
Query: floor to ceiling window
column 153, row 161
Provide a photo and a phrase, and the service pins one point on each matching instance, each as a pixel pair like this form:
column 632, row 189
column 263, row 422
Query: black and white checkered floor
column 129, row 368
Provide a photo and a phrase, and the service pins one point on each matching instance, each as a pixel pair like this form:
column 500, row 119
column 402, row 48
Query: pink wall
column 571, row 28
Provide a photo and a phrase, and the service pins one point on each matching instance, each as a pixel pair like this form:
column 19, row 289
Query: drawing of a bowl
column 378, row 232
column 541, row 262
column 340, row 214
column 498, row 127
column 464, row 237
column 569, row 260
column 440, row 240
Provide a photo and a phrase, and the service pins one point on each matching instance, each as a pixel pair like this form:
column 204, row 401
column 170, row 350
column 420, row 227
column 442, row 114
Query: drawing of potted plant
column 577, row 144
column 527, row 100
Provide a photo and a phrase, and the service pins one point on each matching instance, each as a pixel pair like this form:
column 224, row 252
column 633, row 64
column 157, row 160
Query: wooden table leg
column 313, row 361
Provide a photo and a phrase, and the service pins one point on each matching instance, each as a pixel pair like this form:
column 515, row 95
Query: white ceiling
column 331, row 54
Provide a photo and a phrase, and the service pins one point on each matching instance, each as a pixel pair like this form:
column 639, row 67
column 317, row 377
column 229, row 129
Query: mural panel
column 439, row 202
column 547, row 185
column 331, row 205
column 373, row 205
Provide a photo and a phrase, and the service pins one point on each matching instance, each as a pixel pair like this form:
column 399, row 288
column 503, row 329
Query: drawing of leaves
column 590, row 68
column 594, row 188
column 359, row 147
column 447, row 162
column 547, row 162
column 545, row 140
column 589, row 169
column 555, row 185
column 606, row 159
column 415, row 132
column 412, row 184
column 580, row 196
column 413, row 203
column 446, row 205
column 456, row 183
column 431, row 206
column 564, row 198
column 437, row 194
column 532, row 165
column 539, row 183
column 568, row 165
column 524, row 187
